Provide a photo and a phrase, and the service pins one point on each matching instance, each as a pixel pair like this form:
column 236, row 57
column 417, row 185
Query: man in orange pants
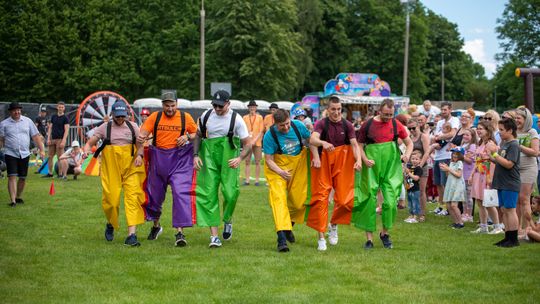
column 333, row 167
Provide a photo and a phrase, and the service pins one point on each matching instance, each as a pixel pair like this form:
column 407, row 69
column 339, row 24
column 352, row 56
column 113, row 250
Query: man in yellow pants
column 286, row 170
column 121, row 169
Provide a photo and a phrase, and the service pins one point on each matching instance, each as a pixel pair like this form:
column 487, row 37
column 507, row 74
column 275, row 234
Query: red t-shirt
column 380, row 132
column 335, row 134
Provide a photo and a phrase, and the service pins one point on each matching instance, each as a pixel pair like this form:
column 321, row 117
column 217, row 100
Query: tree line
column 272, row 50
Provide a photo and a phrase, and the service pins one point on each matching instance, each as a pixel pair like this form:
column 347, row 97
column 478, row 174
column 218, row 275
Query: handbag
column 491, row 198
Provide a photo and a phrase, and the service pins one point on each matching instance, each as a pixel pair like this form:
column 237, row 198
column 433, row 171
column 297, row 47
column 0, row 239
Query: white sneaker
column 413, row 221
column 214, row 242
column 480, row 230
column 322, row 245
column 497, row 230
column 443, row 213
column 332, row 234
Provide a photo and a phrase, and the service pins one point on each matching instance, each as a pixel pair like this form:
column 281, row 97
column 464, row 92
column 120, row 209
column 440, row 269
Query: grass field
column 53, row 251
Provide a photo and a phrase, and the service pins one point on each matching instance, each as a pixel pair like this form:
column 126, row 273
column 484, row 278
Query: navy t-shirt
column 58, row 123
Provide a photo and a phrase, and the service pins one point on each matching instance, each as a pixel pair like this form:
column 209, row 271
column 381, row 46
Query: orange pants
column 336, row 171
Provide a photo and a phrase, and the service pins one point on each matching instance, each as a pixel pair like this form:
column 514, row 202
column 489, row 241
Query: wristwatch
column 188, row 136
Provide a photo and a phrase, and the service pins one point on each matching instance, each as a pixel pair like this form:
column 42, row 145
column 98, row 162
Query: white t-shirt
column 218, row 126
column 73, row 158
column 443, row 153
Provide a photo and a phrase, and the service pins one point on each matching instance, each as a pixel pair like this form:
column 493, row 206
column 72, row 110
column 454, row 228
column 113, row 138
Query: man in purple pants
column 171, row 163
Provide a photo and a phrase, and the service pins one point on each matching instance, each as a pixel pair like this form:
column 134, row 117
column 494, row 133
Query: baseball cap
column 14, row 105
column 168, row 96
column 273, row 106
column 75, row 144
column 458, row 149
column 119, row 108
column 220, row 98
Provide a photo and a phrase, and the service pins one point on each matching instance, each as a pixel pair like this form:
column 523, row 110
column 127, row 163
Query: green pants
column 215, row 154
column 386, row 175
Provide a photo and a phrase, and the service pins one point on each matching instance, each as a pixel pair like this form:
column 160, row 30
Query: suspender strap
column 231, row 130
column 106, row 141
column 346, row 131
column 369, row 140
column 133, row 139
column 394, row 124
column 156, row 123
column 274, row 135
column 295, row 128
column 202, row 123
column 183, row 121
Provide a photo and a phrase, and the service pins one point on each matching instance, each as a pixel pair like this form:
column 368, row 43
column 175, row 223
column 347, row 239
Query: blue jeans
column 414, row 202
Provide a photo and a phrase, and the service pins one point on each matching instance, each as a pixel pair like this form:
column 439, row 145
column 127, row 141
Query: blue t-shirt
column 288, row 142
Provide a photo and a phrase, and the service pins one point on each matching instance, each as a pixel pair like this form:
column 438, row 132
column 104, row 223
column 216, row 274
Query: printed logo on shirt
column 169, row 128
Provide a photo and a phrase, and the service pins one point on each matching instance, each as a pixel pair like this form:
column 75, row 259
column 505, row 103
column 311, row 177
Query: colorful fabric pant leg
column 215, row 154
column 288, row 198
column 171, row 167
column 336, row 171
column 118, row 173
column 386, row 175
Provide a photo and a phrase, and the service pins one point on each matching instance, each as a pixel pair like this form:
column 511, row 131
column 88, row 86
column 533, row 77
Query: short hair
column 281, row 115
column 387, row 102
column 412, row 120
column 460, row 156
column 417, row 152
column 509, row 124
column 334, row 99
column 60, row 103
column 427, row 102
column 446, row 104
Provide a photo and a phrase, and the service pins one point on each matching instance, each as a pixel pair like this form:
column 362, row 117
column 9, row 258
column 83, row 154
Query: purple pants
column 171, row 167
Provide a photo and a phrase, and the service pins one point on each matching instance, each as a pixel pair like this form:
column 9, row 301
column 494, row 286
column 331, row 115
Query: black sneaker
column 47, row 176
column 368, row 245
column 386, row 241
column 154, row 233
column 227, row 231
column 12, row 204
column 109, row 232
column 74, row 177
column 19, row 201
column 180, row 240
column 132, row 241
column 282, row 241
column 289, row 235
column 458, row 226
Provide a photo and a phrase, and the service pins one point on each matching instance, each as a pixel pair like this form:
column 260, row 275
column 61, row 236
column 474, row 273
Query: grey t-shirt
column 508, row 179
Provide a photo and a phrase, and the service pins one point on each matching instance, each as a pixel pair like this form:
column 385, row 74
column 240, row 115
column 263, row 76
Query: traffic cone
column 51, row 189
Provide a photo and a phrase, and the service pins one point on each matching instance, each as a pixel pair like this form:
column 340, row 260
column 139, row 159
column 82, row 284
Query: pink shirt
column 120, row 135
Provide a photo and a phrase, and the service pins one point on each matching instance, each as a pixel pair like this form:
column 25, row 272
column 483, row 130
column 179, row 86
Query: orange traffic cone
column 51, row 189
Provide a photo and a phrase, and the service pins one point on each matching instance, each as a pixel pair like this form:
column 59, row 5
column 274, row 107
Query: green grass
column 52, row 250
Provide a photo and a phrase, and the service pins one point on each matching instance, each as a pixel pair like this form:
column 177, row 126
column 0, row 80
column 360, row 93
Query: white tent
column 285, row 105
column 237, row 104
column 262, row 105
column 147, row 103
column 183, row 103
column 201, row 104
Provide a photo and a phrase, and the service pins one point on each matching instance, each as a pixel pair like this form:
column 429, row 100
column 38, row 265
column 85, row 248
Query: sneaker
column 458, row 226
column 74, row 177
column 290, row 236
column 257, row 184
column 180, row 240
column 387, row 243
column 468, row 219
column 154, row 233
column 282, row 242
column 132, row 241
column 47, row 176
column 332, row 234
column 227, row 231
column 480, row 230
column 368, row 245
column 497, row 230
column 508, row 243
column 443, row 213
column 215, row 242
column 246, row 184
column 321, row 245
column 12, row 204
column 413, row 221
column 109, row 232
column 437, row 210
column 19, row 201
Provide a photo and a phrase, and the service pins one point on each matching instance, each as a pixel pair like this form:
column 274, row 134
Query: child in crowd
column 454, row 191
column 469, row 145
column 506, row 179
column 533, row 231
column 413, row 172
column 438, row 144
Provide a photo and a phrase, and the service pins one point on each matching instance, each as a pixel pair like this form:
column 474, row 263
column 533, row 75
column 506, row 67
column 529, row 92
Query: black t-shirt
column 413, row 184
column 42, row 125
column 58, row 123
column 508, row 179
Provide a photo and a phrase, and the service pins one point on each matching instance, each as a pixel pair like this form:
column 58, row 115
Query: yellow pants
column 288, row 198
column 119, row 173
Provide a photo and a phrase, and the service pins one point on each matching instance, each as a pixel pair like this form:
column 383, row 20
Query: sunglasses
column 218, row 106
column 486, row 118
column 412, row 128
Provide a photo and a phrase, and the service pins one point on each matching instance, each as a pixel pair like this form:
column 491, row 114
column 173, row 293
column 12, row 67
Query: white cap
column 75, row 144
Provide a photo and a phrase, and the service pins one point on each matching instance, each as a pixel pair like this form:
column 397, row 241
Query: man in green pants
column 217, row 157
column 378, row 139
